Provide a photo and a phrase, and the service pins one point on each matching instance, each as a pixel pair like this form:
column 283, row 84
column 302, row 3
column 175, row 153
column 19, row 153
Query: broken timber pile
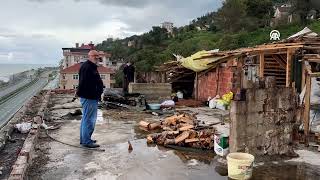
column 181, row 130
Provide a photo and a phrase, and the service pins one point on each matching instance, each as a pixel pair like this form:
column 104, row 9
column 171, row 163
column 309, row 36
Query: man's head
column 94, row 56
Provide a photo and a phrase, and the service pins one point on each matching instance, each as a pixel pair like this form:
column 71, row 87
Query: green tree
column 231, row 15
column 302, row 9
column 261, row 10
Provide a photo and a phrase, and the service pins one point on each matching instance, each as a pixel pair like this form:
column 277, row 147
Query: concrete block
column 151, row 90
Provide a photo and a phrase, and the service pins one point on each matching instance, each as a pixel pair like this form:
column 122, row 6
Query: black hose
column 75, row 146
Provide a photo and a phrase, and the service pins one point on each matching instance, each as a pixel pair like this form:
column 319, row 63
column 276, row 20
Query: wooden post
column 262, row 64
column 197, row 88
column 306, row 116
column 288, row 69
column 303, row 80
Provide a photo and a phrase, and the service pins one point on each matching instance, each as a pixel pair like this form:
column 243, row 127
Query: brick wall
column 263, row 123
column 209, row 86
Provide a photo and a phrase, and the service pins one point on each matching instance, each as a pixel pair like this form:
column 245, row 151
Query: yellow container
column 240, row 165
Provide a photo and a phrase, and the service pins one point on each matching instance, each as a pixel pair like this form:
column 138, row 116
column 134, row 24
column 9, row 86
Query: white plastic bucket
column 180, row 95
column 240, row 165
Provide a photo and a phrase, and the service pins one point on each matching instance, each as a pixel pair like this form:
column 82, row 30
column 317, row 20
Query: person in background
column 128, row 75
column 89, row 90
column 125, row 77
column 131, row 71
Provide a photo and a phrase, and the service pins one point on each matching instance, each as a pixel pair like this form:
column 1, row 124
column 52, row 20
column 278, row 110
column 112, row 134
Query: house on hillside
column 69, row 77
column 282, row 15
column 168, row 26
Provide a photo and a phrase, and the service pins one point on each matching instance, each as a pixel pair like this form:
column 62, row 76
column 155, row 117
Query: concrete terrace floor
column 58, row 161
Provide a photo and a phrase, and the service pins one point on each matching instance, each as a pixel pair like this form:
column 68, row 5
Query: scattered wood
column 169, row 142
column 154, row 126
column 194, row 140
column 129, row 146
column 171, row 120
column 173, row 132
column 183, row 130
column 181, row 137
column 144, row 124
column 150, row 140
column 186, row 128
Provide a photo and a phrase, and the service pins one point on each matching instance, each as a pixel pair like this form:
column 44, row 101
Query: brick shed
column 217, row 81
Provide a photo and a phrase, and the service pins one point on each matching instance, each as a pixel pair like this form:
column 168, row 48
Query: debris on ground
column 183, row 130
column 129, row 146
column 23, row 127
column 188, row 103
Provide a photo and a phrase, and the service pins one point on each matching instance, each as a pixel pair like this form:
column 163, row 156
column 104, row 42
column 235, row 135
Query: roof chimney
column 77, row 45
column 91, row 45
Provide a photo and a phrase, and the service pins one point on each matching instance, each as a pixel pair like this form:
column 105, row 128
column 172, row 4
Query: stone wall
column 152, row 91
column 263, row 123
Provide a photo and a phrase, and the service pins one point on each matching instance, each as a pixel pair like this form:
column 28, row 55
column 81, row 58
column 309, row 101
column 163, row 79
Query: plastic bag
column 228, row 97
column 23, row 127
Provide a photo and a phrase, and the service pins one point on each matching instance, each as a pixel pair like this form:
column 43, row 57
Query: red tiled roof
column 75, row 69
column 85, row 47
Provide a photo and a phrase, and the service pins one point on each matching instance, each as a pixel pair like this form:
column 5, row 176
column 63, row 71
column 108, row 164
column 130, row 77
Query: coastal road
column 7, row 90
column 10, row 107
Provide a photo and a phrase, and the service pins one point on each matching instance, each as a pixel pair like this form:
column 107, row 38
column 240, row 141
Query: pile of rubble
column 182, row 130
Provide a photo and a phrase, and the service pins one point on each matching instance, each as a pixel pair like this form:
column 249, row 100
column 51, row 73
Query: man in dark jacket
column 128, row 75
column 89, row 90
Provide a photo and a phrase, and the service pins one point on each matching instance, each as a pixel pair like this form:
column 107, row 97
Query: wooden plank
column 314, row 60
column 306, row 116
column 274, row 74
column 194, row 140
column 279, row 52
column 278, row 60
column 197, row 87
column 261, row 64
column 311, row 47
column 186, row 128
column 308, row 67
column 288, row 69
column 303, row 80
column 181, row 137
column 275, row 70
column 274, row 67
column 315, row 74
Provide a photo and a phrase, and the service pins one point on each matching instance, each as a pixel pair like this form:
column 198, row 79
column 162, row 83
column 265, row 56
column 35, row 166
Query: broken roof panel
column 306, row 32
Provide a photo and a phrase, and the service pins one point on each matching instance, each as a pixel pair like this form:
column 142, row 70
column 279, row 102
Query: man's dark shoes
column 94, row 141
column 93, row 145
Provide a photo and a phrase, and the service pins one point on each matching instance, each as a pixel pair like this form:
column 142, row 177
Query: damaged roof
column 176, row 69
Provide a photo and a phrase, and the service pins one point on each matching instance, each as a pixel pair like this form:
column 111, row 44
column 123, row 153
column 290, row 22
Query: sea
column 6, row 70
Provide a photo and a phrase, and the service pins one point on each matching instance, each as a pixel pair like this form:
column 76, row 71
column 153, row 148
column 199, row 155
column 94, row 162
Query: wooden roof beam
column 315, row 74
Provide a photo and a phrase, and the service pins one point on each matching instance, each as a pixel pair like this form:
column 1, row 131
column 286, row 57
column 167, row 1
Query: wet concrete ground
column 58, row 161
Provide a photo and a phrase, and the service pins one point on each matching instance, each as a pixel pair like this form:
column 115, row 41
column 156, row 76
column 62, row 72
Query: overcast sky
column 34, row 31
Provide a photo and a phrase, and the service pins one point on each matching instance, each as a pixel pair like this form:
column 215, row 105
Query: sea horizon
column 8, row 69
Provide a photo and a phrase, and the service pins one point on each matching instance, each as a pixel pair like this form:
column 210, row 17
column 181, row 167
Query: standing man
column 125, row 77
column 131, row 71
column 89, row 90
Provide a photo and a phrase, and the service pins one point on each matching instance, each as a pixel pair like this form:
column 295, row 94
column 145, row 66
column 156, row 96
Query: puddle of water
column 286, row 172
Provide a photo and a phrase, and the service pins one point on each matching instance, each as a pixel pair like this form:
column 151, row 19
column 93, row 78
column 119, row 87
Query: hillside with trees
column 238, row 23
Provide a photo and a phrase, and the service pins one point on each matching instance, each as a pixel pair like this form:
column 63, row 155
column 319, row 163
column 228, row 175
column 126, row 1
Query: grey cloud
column 122, row 3
column 42, row 27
